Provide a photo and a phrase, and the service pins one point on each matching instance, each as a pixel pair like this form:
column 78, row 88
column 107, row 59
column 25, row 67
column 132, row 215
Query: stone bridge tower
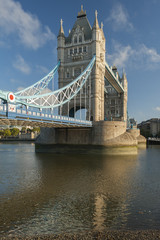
column 106, row 90
column 75, row 52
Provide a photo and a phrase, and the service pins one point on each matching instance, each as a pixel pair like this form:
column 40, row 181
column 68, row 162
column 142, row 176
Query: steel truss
column 59, row 97
column 38, row 87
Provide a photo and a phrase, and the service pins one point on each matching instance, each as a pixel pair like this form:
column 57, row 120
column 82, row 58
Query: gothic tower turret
column 60, row 52
column 98, row 48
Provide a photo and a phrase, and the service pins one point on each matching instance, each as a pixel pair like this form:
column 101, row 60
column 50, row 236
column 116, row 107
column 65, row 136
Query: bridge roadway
column 22, row 117
column 112, row 79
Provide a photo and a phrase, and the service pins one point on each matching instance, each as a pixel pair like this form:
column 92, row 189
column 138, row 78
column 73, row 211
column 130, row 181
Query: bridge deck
column 32, row 119
column 109, row 75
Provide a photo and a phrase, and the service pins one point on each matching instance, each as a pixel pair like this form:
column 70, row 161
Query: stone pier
column 105, row 137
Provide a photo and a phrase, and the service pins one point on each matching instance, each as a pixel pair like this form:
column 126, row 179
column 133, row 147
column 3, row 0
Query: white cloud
column 120, row 56
column 13, row 19
column 157, row 109
column 139, row 57
column 12, row 80
column 119, row 19
column 42, row 69
column 21, row 65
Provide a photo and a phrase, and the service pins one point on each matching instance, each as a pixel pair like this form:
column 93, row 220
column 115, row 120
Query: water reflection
column 48, row 193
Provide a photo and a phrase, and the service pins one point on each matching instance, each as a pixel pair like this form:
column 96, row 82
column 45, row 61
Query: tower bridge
column 85, row 81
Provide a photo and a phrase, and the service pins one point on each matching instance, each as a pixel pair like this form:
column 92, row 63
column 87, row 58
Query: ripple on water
column 48, row 193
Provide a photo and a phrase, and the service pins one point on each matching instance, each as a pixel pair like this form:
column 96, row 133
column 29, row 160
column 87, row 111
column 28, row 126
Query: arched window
column 71, row 51
column 75, row 39
column 80, row 38
column 80, row 49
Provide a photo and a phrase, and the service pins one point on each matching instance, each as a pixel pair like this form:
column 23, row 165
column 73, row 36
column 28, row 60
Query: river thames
column 50, row 194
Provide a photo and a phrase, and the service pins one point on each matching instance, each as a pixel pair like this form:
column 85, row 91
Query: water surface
column 47, row 193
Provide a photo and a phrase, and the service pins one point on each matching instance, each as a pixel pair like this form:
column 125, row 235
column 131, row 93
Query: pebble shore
column 106, row 235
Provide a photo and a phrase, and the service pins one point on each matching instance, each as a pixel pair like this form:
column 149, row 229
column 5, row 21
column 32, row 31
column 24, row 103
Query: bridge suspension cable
column 59, row 97
column 39, row 86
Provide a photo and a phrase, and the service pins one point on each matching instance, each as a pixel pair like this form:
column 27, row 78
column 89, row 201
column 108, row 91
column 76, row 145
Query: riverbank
column 96, row 235
column 17, row 140
column 153, row 141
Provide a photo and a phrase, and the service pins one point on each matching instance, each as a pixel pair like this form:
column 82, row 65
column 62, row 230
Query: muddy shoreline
column 106, row 235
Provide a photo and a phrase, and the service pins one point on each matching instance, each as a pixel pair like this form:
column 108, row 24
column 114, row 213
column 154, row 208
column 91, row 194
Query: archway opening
column 78, row 113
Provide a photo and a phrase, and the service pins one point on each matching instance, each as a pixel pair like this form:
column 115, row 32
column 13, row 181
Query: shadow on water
column 68, row 193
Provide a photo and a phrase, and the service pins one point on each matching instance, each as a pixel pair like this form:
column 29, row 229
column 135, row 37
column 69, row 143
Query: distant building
column 150, row 127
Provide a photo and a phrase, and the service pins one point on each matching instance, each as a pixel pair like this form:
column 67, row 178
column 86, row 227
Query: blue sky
column 28, row 42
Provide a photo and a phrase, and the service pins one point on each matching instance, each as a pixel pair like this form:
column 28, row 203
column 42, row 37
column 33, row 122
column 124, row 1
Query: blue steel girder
column 112, row 79
column 52, row 99
column 59, row 97
column 39, row 86
column 20, row 117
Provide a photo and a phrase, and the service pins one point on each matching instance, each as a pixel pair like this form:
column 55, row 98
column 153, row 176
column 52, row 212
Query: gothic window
column 77, row 72
column 75, row 39
column 67, row 74
column 80, row 38
column 75, row 50
column 84, row 49
column 80, row 50
column 71, row 51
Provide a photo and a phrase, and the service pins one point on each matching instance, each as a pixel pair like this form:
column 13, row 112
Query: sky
column 28, row 44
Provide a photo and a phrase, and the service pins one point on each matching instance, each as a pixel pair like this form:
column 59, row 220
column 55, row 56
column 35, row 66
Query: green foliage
column 36, row 129
column 14, row 132
column 23, row 129
column 7, row 133
column 2, row 133
column 29, row 130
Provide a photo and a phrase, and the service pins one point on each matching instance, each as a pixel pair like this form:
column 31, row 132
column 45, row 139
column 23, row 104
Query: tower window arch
column 75, row 39
column 80, row 38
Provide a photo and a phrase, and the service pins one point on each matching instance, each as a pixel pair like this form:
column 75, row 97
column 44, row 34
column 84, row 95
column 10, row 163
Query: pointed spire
column 82, row 13
column 102, row 25
column 96, row 25
column 61, row 31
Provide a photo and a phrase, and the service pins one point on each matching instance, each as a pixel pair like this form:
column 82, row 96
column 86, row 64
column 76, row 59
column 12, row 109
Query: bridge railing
column 11, row 112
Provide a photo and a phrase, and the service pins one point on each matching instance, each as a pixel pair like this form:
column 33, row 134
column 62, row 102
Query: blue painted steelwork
column 11, row 113
column 113, row 80
column 59, row 97
column 39, row 86
column 53, row 99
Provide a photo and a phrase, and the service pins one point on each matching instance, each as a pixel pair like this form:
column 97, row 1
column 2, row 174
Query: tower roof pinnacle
column 61, row 31
column 82, row 13
column 96, row 25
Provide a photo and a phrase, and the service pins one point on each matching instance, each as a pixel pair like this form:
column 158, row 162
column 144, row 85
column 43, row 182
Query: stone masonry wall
column 99, row 134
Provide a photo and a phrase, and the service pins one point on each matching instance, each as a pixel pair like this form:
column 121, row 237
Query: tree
column 36, row 129
column 14, row 132
column 2, row 133
column 23, row 129
column 7, row 133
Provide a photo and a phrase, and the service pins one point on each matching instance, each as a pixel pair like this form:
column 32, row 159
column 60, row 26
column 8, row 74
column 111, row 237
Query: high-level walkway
column 33, row 107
